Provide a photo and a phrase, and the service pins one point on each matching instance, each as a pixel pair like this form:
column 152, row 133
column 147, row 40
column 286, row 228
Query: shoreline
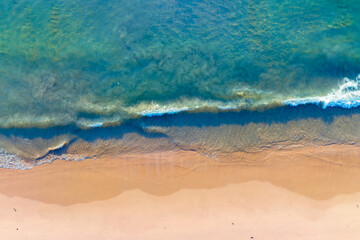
column 177, row 194
column 319, row 172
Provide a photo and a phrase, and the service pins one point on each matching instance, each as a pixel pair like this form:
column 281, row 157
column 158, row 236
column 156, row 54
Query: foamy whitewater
column 346, row 96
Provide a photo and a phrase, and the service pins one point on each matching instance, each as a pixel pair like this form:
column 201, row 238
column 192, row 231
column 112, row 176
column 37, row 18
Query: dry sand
column 304, row 193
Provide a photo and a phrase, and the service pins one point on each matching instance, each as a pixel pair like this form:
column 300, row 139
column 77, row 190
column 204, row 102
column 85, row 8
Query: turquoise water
column 92, row 62
column 85, row 78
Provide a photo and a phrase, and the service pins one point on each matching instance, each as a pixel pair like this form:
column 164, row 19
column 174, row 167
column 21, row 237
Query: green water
column 91, row 62
column 251, row 75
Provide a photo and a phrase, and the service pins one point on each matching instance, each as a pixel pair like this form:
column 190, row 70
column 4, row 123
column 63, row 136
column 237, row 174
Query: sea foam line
column 346, row 96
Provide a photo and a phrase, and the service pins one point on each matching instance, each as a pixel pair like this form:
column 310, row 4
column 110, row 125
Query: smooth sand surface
column 304, row 193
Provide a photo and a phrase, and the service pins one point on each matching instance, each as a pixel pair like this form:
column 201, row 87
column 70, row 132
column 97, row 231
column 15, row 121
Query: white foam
column 13, row 161
column 346, row 96
column 151, row 109
column 163, row 111
column 95, row 125
column 174, row 110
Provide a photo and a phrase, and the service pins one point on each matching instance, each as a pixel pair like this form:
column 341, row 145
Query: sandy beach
column 302, row 193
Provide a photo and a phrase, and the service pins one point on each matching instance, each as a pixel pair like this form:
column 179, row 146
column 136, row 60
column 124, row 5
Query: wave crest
column 346, row 96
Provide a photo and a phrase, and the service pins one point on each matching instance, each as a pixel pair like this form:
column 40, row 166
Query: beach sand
column 298, row 193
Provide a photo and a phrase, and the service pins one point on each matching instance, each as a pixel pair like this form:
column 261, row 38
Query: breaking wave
column 346, row 96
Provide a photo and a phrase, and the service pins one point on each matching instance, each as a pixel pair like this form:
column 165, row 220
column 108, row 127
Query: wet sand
column 299, row 193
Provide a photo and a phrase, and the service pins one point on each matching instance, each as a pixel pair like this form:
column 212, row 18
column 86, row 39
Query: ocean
column 80, row 79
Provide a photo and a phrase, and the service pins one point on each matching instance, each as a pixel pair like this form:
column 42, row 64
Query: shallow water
column 214, row 135
column 73, row 65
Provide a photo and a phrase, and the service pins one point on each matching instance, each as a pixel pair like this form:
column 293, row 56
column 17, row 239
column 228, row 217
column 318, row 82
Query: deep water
column 95, row 61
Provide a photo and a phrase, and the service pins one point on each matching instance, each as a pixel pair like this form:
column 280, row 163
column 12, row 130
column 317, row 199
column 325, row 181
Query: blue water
column 83, row 78
column 101, row 62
